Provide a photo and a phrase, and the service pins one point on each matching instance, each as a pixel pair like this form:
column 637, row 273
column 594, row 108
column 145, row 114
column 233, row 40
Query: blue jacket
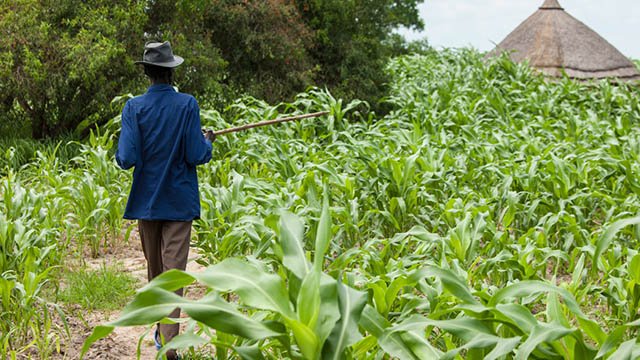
column 161, row 137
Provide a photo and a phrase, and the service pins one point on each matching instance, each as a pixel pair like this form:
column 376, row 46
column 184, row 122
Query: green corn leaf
column 592, row 329
column 308, row 302
column 464, row 328
column 219, row 315
column 292, row 242
column 450, row 281
column 615, row 337
column 182, row 341
column 154, row 304
column 503, row 348
column 379, row 290
column 329, row 307
column 373, row 322
column 99, row 332
column 399, row 345
column 517, row 315
column 364, row 346
column 254, row 286
column 607, row 236
column 627, row 351
column 416, row 343
column 634, row 268
column 527, row 288
column 249, row 352
column 577, row 272
column 612, row 341
column 408, row 346
column 554, row 311
column 394, row 288
column 170, row 280
column 323, row 236
column 148, row 306
column 305, row 338
column 345, row 332
column 542, row 333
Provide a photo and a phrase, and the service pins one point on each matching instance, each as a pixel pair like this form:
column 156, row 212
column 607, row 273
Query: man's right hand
column 210, row 135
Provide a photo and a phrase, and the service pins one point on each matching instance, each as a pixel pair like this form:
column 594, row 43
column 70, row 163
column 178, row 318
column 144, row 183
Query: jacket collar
column 160, row 87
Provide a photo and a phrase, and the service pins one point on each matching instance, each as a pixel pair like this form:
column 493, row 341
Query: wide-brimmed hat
column 160, row 54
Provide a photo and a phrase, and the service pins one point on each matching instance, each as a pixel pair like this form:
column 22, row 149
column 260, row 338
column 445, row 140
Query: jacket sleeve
column 197, row 148
column 127, row 154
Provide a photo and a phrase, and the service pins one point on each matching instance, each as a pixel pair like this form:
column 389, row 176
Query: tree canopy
column 61, row 62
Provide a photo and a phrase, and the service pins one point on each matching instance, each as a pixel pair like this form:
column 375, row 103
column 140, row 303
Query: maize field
column 492, row 214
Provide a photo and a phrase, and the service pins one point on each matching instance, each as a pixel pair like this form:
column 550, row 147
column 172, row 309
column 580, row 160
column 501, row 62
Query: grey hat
column 160, row 54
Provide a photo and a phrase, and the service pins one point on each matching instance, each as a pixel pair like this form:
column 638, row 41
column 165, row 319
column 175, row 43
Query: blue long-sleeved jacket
column 161, row 137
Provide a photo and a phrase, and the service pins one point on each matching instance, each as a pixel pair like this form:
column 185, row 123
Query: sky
column 484, row 23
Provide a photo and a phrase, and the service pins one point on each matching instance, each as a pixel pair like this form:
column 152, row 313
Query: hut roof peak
column 556, row 43
column 551, row 5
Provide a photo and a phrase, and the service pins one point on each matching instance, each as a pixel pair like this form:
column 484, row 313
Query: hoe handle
column 269, row 122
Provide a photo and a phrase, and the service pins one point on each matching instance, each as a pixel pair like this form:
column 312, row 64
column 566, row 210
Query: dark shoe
column 156, row 340
column 172, row 355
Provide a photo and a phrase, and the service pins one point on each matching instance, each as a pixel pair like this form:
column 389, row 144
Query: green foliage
column 266, row 51
column 48, row 210
column 107, row 288
column 274, row 49
column 21, row 151
column 321, row 313
column 491, row 214
column 63, row 61
column 353, row 41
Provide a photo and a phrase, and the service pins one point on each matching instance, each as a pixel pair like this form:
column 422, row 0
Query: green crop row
column 50, row 208
column 491, row 215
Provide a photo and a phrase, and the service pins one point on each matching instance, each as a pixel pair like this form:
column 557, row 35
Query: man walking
column 161, row 138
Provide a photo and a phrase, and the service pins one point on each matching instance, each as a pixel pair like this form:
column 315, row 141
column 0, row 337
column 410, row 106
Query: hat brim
column 177, row 60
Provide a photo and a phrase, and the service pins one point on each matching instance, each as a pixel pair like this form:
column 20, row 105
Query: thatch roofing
column 553, row 41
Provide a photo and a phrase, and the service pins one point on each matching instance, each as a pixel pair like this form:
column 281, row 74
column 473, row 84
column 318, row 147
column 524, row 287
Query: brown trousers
column 166, row 246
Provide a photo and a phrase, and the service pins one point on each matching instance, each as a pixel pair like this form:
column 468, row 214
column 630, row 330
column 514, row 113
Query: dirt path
column 123, row 342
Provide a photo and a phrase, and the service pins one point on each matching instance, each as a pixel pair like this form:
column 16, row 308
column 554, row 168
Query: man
column 161, row 137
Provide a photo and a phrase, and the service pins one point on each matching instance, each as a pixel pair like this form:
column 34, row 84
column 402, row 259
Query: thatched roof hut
column 554, row 41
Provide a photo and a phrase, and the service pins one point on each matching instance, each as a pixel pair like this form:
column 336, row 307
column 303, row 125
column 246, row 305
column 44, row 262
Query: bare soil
column 123, row 342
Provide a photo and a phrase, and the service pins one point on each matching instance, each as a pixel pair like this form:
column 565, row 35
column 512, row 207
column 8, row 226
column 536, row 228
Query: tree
column 63, row 61
column 275, row 48
column 354, row 39
column 263, row 43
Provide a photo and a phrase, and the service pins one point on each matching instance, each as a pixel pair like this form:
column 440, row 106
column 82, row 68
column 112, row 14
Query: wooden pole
column 269, row 122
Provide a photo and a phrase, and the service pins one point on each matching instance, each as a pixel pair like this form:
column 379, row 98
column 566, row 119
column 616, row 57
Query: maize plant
column 491, row 214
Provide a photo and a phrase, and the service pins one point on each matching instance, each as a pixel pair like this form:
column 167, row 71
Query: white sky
column 481, row 23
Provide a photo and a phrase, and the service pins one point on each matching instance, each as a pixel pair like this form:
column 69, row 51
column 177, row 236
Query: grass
column 107, row 288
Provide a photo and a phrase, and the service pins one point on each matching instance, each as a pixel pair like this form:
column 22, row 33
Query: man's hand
column 209, row 135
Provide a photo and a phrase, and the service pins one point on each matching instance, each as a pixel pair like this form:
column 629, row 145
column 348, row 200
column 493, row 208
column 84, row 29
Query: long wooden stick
column 269, row 122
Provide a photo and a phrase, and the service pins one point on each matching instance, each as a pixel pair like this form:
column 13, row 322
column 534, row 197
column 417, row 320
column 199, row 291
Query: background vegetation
column 61, row 62
column 483, row 214
column 490, row 214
